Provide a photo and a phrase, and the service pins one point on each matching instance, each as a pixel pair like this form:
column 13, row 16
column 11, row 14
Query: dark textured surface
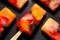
column 37, row 34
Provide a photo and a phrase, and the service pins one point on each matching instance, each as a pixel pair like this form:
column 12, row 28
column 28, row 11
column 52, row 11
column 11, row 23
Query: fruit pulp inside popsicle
column 3, row 20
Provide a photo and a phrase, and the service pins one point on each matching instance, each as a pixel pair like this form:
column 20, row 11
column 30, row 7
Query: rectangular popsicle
column 6, row 16
column 38, row 13
column 18, row 3
column 50, row 28
column 24, row 25
column 52, row 4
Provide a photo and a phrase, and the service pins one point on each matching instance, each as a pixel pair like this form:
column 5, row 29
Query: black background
column 37, row 34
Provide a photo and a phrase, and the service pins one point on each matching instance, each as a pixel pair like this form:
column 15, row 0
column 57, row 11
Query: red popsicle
column 24, row 25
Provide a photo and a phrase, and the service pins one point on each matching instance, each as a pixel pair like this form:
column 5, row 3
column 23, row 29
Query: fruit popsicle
column 24, row 25
column 18, row 3
column 50, row 28
column 52, row 4
column 38, row 13
column 6, row 16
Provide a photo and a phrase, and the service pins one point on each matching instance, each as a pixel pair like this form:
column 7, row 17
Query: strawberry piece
column 25, row 22
column 3, row 20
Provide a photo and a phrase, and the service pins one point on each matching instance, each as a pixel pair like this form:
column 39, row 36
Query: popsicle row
column 7, row 17
column 52, row 4
column 50, row 27
column 28, row 19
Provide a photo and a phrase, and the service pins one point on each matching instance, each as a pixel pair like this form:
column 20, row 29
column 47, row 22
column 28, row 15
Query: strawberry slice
column 25, row 22
column 3, row 20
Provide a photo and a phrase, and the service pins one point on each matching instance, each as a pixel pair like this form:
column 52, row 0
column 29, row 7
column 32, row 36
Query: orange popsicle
column 7, row 15
column 37, row 12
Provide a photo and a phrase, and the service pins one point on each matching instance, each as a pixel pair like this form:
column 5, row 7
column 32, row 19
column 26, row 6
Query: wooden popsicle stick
column 16, row 35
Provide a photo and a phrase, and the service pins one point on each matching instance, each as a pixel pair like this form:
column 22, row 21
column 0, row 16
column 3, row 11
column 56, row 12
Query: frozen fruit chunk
column 25, row 22
column 50, row 28
column 7, row 15
column 3, row 20
column 52, row 4
column 18, row 3
column 38, row 13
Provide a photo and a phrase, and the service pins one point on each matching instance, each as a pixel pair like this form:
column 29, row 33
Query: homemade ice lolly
column 24, row 25
column 6, row 17
column 52, row 4
column 38, row 13
column 50, row 28
column 18, row 3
